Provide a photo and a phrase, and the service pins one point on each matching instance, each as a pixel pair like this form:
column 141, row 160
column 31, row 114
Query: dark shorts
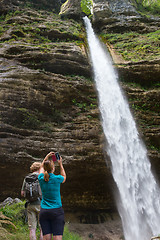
column 52, row 221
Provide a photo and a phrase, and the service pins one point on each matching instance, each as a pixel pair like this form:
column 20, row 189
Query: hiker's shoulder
column 40, row 176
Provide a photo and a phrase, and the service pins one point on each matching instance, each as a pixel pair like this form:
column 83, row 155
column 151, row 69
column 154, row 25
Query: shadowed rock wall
column 11, row 5
column 48, row 102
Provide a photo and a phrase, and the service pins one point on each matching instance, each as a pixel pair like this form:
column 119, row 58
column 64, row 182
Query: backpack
column 32, row 188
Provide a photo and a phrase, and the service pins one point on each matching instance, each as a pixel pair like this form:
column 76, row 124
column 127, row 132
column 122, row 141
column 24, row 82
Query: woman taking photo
column 51, row 214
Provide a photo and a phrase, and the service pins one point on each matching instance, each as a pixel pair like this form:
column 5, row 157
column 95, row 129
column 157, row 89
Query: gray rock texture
column 121, row 16
column 48, row 102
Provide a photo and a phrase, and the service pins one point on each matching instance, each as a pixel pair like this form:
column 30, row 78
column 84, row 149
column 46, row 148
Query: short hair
column 35, row 166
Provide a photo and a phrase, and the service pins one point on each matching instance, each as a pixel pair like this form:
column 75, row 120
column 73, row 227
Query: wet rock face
column 113, row 16
column 121, row 16
column 149, row 72
column 48, row 102
column 40, row 114
column 11, row 5
column 64, row 58
column 5, row 6
column 71, row 9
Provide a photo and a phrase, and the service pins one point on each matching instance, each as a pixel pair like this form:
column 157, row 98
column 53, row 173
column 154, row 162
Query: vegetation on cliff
column 138, row 58
column 86, row 6
column 134, row 46
column 149, row 5
column 141, row 44
column 48, row 101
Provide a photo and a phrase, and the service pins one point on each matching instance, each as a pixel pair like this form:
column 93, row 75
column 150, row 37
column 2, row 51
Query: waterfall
column 138, row 203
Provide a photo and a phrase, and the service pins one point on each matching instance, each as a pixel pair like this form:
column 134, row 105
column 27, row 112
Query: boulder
column 71, row 9
column 9, row 201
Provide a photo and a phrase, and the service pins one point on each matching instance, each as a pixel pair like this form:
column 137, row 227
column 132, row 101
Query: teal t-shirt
column 51, row 197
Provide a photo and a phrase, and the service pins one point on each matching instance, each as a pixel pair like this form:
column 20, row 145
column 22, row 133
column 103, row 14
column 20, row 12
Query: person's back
column 52, row 213
column 32, row 190
column 51, row 191
column 33, row 200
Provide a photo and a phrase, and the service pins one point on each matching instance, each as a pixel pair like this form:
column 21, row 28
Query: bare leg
column 58, row 237
column 41, row 235
column 47, row 237
column 32, row 234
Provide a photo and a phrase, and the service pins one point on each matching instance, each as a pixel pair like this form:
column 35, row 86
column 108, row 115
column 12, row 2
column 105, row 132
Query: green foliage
column 154, row 148
column 47, row 127
column 13, row 211
column 135, row 46
column 67, row 30
column 149, row 5
column 84, row 106
column 2, row 18
column 2, row 30
column 70, row 236
column 29, row 120
column 16, row 213
column 86, row 6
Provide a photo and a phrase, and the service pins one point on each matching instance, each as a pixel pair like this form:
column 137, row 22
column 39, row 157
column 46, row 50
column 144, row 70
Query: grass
column 16, row 228
column 149, row 6
column 134, row 46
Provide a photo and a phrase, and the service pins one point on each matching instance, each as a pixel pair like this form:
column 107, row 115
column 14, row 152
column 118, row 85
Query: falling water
column 139, row 194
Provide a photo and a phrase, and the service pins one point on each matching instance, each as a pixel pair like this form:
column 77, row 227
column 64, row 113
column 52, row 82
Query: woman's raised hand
column 60, row 161
column 50, row 154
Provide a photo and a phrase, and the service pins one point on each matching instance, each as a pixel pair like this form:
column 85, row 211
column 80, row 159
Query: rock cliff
column 121, row 16
column 48, row 100
column 11, row 5
column 71, row 9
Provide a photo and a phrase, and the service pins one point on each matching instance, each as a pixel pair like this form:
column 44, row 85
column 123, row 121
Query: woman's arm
column 62, row 171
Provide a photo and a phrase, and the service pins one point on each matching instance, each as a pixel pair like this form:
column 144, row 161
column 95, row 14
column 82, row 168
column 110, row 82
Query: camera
column 57, row 156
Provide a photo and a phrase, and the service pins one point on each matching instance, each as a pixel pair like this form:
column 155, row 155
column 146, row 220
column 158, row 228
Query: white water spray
column 139, row 194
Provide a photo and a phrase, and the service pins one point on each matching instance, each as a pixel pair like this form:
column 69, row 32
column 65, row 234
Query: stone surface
column 9, row 201
column 145, row 73
column 113, row 16
column 121, row 16
column 63, row 58
column 5, row 6
column 48, row 102
column 71, row 9
column 48, row 97
column 10, row 5
column 43, row 110
column 111, row 229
